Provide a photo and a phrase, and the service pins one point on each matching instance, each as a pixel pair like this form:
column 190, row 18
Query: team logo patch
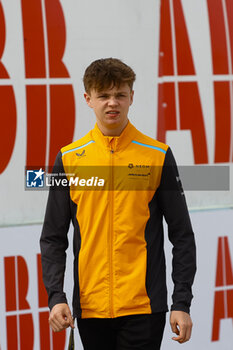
column 81, row 154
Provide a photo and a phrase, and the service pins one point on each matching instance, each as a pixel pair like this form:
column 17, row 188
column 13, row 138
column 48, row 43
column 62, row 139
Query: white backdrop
column 129, row 30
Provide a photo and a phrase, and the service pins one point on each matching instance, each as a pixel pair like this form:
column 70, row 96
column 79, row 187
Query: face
column 111, row 108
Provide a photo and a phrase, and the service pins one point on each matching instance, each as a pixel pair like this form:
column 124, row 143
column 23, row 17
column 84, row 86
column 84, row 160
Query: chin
column 113, row 123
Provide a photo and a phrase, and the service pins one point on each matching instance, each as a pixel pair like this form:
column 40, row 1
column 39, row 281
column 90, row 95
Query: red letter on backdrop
column 58, row 339
column 56, row 39
column 47, row 105
column 16, row 287
column 7, row 106
column 223, row 303
column 221, row 27
column 187, row 97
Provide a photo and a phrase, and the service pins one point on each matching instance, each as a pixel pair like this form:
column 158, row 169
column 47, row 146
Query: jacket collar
column 115, row 143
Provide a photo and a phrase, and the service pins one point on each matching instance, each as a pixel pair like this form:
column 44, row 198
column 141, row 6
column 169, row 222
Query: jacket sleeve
column 54, row 241
column 173, row 205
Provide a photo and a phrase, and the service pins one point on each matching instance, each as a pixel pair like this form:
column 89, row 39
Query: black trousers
column 142, row 332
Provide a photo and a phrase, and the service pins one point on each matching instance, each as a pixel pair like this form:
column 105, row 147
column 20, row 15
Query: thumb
column 72, row 322
column 70, row 319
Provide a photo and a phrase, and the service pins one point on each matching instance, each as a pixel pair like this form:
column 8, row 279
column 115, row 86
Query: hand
column 60, row 317
column 181, row 324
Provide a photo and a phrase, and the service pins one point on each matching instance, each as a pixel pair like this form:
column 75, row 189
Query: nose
column 113, row 101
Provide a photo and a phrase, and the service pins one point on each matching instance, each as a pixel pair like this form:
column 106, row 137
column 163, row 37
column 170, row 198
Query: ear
column 88, row 99
column 131, row 97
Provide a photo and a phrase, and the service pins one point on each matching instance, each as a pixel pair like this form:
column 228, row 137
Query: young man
column 120, row 296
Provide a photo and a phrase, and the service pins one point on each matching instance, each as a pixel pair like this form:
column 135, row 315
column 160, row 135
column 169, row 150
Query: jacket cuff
column 57, row 298
column 180, row 307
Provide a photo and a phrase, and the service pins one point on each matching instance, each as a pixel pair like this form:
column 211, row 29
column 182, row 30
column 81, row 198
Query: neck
column 112, row 132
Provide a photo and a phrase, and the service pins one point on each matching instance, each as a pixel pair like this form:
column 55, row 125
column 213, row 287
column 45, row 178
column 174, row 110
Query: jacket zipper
column 111, row 237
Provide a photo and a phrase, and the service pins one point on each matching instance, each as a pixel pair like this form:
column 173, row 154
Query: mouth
column 113, row 113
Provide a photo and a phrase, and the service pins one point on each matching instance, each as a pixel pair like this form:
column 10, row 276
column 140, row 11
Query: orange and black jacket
column 119, row 262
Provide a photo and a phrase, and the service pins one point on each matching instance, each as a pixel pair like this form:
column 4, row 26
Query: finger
column 178, row 339
column 56, row 327
column 188, row 332
column 182, row 335
column 66, row 320
column 70, row 319
column 72, row 322
column 175, row 328
column 59, row 322
column 69, row 322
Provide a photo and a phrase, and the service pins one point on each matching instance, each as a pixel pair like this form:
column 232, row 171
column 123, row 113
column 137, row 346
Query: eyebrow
column 107, row 93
